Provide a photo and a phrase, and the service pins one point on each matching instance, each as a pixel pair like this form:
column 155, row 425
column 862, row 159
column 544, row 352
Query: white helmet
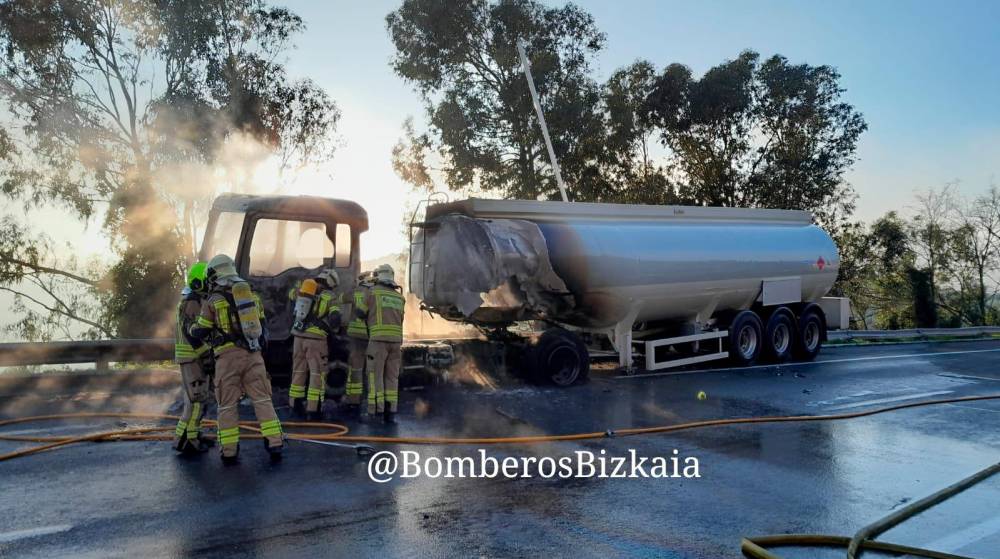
column 221, row 270
column 329, row 275
column 385, row 274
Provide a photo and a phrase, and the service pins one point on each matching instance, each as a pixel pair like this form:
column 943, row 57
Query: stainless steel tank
column 600, row 265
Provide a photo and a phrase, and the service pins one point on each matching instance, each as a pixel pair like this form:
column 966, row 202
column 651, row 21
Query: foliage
column 109, row 99
column 462, row 59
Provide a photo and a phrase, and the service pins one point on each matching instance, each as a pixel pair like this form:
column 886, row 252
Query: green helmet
column 196, row 276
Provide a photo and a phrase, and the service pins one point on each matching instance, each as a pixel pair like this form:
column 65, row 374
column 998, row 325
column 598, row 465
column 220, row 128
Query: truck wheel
column 560, row 357
column 745, row 338
column 779, row 336
column 810, row 336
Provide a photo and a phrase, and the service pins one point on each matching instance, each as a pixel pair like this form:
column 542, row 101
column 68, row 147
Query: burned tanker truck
column 674, row 285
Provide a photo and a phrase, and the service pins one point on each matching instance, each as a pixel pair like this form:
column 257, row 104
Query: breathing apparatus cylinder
column 304, row 301
column 246, row 310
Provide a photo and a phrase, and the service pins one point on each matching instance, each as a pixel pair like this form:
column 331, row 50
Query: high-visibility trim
column 183, row 350
column 314, row 395
column 271, row 428
column 194, row 423
column 386, row 299
column 222, row 315
column 202, row 321
column 371, row 389
column 357, row 327
column 181, row 428
column 229, row 436
column 391, row 395
column 354, row 388
column 296, row 391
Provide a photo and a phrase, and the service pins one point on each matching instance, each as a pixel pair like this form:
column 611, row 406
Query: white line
column 892, row 399
column 967, row 407
column 803, row 363
column 8, row 537
column 973, row 377
column 966, row 537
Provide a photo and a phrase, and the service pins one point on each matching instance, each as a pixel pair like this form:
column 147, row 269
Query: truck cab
column 276, row 242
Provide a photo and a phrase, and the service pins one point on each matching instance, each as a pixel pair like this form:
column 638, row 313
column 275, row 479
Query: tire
column 745, row 337
column 779, row 336
column 561, row 358
column 809, row 338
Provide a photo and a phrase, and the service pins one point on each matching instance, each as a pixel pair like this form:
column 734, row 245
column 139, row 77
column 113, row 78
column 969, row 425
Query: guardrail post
column 102, row 364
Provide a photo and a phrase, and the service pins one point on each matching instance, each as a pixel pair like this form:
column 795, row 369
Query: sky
column 924, row 74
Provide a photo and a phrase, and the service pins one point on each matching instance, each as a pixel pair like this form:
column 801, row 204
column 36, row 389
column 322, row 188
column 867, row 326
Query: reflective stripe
column 296, row 391
column 357, row 328
column 180, row 428
column 202, row 321
column 183, row 350
column 391, row 395
column 270, row 428
column 194, row 423
column 371, row 387
column 354, row 388
column 314, row 395
column 386, row 299
column 229, row 436
column 386, row 329
column 222, row 315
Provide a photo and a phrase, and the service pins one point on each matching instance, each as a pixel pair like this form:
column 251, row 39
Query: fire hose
column 337, row 434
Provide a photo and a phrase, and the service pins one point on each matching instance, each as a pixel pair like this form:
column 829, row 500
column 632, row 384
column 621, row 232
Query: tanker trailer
column 685, row 284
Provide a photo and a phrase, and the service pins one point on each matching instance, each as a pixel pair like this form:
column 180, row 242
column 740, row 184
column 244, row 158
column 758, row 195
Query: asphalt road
column 140, row 500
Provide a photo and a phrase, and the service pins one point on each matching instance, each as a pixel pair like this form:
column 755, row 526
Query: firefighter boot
column 231, row 459
column 274, row 452
column 389, row 416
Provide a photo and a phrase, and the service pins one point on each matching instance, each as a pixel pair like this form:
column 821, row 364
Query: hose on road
column 755, row 548
column 338, row 433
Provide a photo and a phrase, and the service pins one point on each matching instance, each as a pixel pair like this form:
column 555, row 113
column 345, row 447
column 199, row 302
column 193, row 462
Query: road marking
column 804, row 363
column 966, row 537
column 966, row 407
column 972, row 377
column 16, row 535
column 892, row 399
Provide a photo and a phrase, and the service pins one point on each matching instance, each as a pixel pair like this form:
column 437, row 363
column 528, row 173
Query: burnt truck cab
column 276, row 242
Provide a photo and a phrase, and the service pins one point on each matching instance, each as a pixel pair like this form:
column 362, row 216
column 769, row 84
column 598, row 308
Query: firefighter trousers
column 384, row 360
column 239, row 372
column 196, row 390
column 309, row 366
column 356, row 371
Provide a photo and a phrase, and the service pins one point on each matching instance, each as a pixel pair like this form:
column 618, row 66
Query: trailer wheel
column 745, row 341
column 810, row 336
column 560, row 357
column 779, row 336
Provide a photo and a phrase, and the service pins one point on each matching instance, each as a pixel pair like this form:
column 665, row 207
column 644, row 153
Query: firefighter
column 357, row 332
column 317, row 316
column 383, row 315
column 232, row 320
column 195, row 360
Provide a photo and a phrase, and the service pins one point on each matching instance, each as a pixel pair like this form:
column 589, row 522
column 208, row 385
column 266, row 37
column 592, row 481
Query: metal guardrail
column 103, row 352
column 914, row 333
column 100, row 352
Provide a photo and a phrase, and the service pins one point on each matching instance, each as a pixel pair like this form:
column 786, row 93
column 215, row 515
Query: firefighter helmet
column 385, row 274
column 196, row 277
column 221, row 270
column 329, row 275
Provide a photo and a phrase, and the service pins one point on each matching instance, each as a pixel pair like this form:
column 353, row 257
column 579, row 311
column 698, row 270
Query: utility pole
column 541, row 118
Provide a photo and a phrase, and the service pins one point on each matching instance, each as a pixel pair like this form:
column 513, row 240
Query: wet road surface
column 139, row 499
